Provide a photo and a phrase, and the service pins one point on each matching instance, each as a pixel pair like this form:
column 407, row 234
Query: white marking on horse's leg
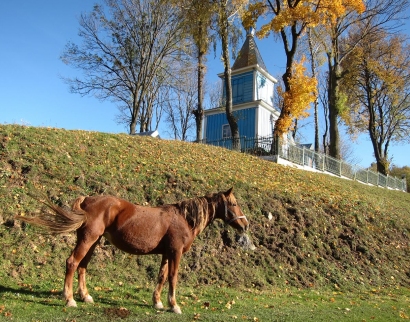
column 173, row 303
column 162, row 276
column 159, row 305
column 88, row 299
column 68, row 283
column 71, row 303
column 176, row 309
column 173, row 278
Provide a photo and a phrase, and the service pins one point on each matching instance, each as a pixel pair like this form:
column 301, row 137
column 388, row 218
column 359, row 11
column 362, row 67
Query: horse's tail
column 61, row 220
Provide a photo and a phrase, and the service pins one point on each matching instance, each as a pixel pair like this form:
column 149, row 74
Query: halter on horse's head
column 233, row 214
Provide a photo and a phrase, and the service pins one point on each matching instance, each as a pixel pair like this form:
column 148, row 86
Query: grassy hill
column 324, row 232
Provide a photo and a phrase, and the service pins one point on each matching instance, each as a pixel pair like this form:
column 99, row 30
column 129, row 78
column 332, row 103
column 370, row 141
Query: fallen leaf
column 403, row 315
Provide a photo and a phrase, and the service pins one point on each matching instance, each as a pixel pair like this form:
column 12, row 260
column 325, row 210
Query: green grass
column 207, row 303
column 326, row 234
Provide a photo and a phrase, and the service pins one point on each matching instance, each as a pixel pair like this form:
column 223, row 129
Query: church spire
column 249, row 54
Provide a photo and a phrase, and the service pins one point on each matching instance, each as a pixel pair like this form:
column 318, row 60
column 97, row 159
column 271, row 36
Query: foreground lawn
column 25, row 302
column 317, row 236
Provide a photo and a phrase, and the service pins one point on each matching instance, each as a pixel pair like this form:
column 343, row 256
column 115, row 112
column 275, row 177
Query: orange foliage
column 301, row 88
column 296, row 101
column 312, row 13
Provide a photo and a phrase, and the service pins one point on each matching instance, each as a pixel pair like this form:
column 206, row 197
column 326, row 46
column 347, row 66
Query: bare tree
column 197, row 21
column 182, row 100
column 314, row 62
column 324, row 102
column 215, row 95
column 226, row 11
column 125, row 55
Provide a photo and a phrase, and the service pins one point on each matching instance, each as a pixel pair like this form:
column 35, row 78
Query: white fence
column 307, row 158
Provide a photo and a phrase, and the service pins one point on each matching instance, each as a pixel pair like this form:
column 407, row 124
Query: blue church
column 252, row 98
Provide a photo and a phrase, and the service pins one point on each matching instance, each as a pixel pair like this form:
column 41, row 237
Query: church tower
column 252, row 98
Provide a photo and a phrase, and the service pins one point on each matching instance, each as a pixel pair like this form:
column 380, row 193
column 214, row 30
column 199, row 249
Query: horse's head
column 233, row 214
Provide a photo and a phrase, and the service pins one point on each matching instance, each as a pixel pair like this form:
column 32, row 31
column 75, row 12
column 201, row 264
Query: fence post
column 323, row 163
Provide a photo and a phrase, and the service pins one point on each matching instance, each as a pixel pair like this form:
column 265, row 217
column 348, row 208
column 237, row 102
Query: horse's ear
column 227, row 193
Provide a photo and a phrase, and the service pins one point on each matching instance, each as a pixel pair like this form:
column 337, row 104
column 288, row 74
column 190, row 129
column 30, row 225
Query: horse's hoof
column 88, row 299
column 71, row 303
column 159, row 306
column 176, row 309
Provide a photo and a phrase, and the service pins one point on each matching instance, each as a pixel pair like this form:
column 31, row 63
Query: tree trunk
column 313, row 61
column 383, row 166
column 134, row 115
column 199, row 112
column 133, row 125
column 317, row 144
column 290, row 55
column 333, row 87
column 334, row 137
column 236, row 144
column 381, row 156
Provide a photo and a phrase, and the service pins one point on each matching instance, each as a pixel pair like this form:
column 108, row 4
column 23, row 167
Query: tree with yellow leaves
column 377, row 88
column 290, row 19
column 302, row 91
column 376, row 14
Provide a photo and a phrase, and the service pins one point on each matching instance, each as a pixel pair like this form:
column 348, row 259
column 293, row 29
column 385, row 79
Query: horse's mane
column 198, row 211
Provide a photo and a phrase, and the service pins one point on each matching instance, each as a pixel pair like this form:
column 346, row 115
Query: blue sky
column 33, row 35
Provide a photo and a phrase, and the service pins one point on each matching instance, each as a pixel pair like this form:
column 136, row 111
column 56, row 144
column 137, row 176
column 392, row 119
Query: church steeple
column 252, row 98
column 249, row 54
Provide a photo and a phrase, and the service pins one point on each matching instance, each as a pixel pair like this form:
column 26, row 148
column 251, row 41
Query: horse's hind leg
column 82, row 268
column 79, row 252
column 162, row 277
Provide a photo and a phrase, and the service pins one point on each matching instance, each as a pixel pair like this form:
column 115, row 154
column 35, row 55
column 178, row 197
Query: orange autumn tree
column 290, row 19
column 302, row 92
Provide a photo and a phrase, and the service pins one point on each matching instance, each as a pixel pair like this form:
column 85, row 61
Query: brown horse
column 168, row 230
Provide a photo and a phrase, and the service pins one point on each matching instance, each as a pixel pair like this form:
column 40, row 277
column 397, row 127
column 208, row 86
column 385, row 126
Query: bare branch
column 127, row 50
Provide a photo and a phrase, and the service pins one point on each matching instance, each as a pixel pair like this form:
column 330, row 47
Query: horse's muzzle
column 245, row 227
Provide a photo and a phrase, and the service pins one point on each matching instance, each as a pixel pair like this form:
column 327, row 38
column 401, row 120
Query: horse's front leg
column 173, row 266
column 162, row 277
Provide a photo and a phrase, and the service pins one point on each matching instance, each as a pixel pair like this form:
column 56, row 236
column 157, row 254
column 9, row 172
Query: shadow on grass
column 25, row 291
column 46, row 298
